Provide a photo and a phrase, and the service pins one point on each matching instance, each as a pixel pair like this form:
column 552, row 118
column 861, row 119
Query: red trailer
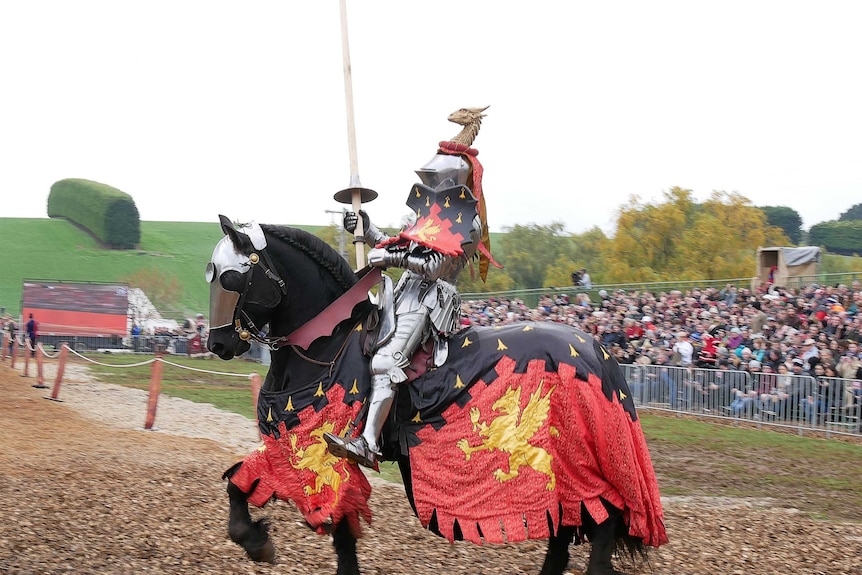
column 97, row 310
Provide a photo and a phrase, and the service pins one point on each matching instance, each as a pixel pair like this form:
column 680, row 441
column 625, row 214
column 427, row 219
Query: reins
column 330, row 363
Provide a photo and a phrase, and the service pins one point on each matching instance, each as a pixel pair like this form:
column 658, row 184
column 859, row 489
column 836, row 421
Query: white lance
column 355, row 194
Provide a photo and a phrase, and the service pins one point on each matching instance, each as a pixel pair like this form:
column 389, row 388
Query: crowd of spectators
column 815, row 330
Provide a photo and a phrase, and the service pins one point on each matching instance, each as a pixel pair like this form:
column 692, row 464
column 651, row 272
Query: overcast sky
column 199, row 108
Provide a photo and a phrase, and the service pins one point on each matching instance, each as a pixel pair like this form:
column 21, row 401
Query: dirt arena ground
column 84, row 489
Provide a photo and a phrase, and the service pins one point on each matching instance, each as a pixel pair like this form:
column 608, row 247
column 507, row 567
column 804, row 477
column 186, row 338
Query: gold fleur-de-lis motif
column 463, row 196
column 289, row 406
column 458, row 219
column 573, row 351
column 418, row 214
column 427, row 201
column 418, row 195
column 501, row 346
column 416, row 419
column 446, row 203
column 269, row 415
column 466, row 342
column 354, row 390
column 458, row 383
column 319, row 392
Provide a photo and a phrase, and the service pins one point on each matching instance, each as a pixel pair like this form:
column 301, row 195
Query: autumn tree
column 683, row 240
column 644, row 247
column 787, row 219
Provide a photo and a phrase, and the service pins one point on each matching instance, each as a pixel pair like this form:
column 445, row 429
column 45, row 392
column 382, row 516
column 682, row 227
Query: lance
column 355, row 194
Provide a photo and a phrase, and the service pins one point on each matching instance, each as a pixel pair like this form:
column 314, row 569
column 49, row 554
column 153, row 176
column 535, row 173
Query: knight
column 450, row 229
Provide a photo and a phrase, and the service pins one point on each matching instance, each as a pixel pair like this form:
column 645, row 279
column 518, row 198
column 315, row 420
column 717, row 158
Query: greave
column 382, row 396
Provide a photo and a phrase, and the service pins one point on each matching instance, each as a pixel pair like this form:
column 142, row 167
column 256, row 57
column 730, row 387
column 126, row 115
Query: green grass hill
column 56, row 250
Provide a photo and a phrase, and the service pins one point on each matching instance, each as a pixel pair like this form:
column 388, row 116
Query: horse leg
column 345, row 548
column 253, row 536
column 602, row 546
column 557, row 557
column 607, row 537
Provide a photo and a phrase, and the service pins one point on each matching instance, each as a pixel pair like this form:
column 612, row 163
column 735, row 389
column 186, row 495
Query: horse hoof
column 264, row 554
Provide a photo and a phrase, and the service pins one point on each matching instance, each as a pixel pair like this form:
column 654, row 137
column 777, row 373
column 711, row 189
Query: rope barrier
column 205, row 370
column 93, row 361
column 155, row 373
column 46, row 354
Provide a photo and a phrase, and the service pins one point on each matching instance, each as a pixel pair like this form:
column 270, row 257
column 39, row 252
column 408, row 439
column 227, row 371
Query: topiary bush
column 106, row 212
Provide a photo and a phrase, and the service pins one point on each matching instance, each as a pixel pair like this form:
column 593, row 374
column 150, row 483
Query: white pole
column 356, row 193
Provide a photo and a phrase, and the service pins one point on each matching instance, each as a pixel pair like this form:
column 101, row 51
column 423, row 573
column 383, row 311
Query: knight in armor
column 450, row 229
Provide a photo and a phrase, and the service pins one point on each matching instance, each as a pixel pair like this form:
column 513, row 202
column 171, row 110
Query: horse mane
column 319, row 251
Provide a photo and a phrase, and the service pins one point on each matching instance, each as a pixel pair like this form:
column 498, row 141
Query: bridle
column 251, row 331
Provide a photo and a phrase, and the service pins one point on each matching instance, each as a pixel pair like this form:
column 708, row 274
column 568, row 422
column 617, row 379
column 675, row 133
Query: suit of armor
column 427, row 305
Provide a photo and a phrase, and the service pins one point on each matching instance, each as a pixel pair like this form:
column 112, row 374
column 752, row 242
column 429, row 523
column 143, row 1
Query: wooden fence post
column 14, row 351
column 155, row 389
column 40, row 354
column 61, row 367
column 26, row 359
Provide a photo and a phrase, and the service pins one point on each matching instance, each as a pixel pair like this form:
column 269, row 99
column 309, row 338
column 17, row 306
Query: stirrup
column 355, row 450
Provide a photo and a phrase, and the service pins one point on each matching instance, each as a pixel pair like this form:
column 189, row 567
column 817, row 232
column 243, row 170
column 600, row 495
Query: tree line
column 673, row 239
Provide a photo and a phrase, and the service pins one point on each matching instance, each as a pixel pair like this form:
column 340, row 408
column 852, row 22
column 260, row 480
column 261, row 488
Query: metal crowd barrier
column 146, row 344
column 826, row 404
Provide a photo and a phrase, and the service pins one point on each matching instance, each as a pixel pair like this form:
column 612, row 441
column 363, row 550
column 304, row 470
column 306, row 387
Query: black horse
column 526, row 432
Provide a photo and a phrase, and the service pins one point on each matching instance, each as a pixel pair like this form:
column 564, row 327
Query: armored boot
column 364, row 449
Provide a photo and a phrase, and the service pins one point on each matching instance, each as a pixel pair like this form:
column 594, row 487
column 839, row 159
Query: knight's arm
column 426, row 262
column 371, row 233
column 431, row 264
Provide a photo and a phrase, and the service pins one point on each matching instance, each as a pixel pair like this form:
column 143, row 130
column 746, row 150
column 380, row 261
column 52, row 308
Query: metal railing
column 531, row 296
column 824, row 404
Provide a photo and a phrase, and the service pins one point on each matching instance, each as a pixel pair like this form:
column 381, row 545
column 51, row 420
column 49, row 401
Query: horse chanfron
column 236, row 311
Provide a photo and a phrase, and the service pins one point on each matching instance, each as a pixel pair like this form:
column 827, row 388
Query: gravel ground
column 86, row 490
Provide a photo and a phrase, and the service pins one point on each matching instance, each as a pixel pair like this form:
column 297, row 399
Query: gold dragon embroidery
column 428, row 231
column 511, row 433
column 317, row 459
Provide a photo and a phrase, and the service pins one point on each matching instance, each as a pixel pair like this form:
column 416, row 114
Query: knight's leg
column 382, row 396
column 388, row 368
